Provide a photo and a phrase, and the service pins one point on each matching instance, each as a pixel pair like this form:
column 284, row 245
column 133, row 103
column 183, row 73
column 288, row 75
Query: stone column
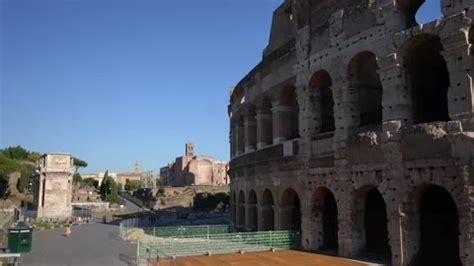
column 264, row 128
column 233, row 139
column 396, row 100
column 240, row 130
column 461, row 91
column 277, row 218
column 346, row 115
column 306, row 224
column 250, row 132
column 281, row 122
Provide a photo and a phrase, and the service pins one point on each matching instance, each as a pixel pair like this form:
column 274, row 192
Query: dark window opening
column 428, row 77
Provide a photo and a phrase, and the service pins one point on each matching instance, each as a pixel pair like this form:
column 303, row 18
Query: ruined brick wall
column 358, row 111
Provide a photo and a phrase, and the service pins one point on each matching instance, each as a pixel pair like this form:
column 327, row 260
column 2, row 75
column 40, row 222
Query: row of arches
column 432, row 214
column 421, row 97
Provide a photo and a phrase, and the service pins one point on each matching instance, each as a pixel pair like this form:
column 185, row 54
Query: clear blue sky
column 117, row 81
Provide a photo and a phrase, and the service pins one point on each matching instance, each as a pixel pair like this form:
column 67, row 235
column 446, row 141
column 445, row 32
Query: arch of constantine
column 357, row 128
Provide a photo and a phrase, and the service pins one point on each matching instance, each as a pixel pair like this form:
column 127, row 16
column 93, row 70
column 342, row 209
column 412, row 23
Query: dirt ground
column 278, row 258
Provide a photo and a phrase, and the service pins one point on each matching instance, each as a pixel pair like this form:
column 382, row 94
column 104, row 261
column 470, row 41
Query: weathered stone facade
column 53, row 192
column 194, row 170
column 358, row 128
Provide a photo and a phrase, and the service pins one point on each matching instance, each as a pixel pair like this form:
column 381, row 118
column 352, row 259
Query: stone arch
column 268, row 215
column 290, row 210
column 253, row 211
column 325, row 221
column 322, row 101
column 370, row 212
column 427, row 78
column 433, row 226
column 289, row 113
column 264, row 122
column 241, row 211
column 409, row 10
column 365, row 81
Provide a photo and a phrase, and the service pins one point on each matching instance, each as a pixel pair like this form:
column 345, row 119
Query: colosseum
column 357, row 128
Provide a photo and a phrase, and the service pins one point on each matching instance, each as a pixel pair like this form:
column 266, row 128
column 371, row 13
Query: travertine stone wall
column 401, row 127
column 53, row 193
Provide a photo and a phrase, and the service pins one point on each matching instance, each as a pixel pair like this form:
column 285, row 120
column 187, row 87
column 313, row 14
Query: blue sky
column 117, row 81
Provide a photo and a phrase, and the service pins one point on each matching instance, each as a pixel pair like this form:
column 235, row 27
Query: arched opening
column 264, row 123
column 268, row 215
column 241, row 212
column 325, row 233
column 427, row 77
column 290, row 210
column 439, row 228
column 253, row 212
column 416, row 12
column 376, row 226
column 322, row 101
column 289, row 113
column 365, row 80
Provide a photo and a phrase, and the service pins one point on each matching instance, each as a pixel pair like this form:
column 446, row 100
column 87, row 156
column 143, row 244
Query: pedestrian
column 104, row 219
column 67, row 230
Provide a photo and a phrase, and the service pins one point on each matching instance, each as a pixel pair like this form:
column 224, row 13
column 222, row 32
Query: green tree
column 77, row 179
column 33, row 156
column 90, row 182
column 26, row 179
column 16, row 153
column 78, row 163
column 108, row 189
column 133, row 185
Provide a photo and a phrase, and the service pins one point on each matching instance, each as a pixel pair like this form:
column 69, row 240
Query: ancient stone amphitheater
column 357, row 128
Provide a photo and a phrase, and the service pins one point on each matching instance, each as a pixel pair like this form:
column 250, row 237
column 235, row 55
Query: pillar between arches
column 281, row 122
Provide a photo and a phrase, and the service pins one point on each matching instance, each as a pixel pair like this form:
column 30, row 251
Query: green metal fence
column 191, row 245
column 184, row 231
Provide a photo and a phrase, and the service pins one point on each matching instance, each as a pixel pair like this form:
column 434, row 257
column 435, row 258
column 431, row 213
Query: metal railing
column 201, row 244
column 185, row 231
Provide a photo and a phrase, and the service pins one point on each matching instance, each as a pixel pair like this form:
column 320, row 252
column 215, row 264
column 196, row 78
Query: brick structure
column 53, row 191
column 357, row 128
column 194, row 170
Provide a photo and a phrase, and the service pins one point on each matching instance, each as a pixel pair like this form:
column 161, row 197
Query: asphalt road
column 92, row 244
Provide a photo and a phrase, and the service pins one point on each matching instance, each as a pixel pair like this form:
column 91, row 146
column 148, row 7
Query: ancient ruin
column 194, row 170
column 357, row 128
column 53, row 191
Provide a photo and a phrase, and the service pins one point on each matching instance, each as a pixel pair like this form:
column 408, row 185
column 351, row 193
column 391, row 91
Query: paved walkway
column 95, row 244
column 92, row 244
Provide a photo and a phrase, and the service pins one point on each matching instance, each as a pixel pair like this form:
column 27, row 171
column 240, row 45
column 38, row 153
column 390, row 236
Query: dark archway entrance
column 268, row 215
column 290, row 211
column 364, row 78
column 325, row 220
column 428, row 79
column 330, row 222
column 253, row 213
column 376, row 222
column 322, row 101
column 439, row 228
